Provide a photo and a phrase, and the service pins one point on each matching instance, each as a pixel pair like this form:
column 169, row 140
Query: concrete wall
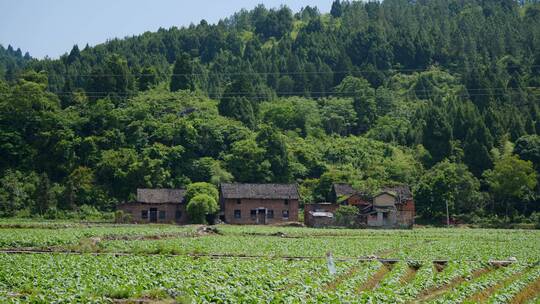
column 136, row 209
column 246, row 205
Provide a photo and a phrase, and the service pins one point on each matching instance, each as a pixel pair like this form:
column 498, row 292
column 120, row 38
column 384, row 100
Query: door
column 261, row 216
column 153, row 215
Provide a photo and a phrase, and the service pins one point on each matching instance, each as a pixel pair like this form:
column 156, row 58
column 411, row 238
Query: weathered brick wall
column 135, row 209
column 405, row 219
column 406, row 214
column 246, row 205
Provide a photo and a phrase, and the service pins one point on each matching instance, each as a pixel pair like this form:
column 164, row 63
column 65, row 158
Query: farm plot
column 266, row 264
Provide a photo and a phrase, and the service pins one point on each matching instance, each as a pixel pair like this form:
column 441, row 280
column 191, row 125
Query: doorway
column 153, row 215
column 261, row 216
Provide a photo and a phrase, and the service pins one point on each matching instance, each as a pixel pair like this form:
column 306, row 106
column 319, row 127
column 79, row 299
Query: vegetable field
column 105, row 263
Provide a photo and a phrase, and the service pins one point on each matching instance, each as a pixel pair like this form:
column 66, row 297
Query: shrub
column 347, row 216
column 87, row 212
column 200, row 206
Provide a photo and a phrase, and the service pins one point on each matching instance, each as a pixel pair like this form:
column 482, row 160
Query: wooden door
column 153, row 215
column 261, row 216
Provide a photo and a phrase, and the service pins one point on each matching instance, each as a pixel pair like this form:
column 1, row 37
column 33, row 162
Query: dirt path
column 528, row 293
column 409, row 275
column 436, row 291
column 483, row 295
column 372, row 282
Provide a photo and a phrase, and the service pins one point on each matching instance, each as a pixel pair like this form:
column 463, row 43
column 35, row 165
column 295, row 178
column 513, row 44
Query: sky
column 51, row 27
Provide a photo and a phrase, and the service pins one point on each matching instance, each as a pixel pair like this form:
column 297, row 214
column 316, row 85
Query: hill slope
column 372, row 93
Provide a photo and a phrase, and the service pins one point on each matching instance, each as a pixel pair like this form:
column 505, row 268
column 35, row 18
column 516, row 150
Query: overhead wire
column 299, row 72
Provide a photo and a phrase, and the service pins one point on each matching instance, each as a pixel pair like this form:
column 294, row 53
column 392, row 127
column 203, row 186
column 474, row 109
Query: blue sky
column 52, row 27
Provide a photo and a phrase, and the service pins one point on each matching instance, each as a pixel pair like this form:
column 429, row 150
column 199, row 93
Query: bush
column 347, row 216
column 200, row 206
column 87, row 212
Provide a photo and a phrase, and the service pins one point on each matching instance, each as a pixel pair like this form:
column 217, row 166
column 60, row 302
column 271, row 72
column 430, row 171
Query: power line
column 291, row 73
column 465, row 92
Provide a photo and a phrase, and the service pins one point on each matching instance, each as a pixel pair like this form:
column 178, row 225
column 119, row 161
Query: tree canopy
column 373, row 93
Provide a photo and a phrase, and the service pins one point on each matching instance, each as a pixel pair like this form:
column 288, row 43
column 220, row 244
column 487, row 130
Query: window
column 285, row 214
column 144, row 214
column 237, row 214
column 161, row 214
column 270, row 213
column 286, row 202
column 253, row 213
column 178, row 214
column 238, row 201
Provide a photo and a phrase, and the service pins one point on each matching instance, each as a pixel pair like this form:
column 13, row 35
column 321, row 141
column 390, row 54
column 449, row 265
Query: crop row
column 98, row 279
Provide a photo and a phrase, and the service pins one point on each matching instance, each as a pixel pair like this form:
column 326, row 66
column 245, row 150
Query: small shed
column 316, row 214
column 321, row 219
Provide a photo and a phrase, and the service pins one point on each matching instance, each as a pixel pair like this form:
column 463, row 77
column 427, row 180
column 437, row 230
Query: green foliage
column 376, row 91
column 182, row 78
column 246, row 161
column 512, row 179
column 199, row 207
column 196, row 189
column 346, row 216
column 448, row 183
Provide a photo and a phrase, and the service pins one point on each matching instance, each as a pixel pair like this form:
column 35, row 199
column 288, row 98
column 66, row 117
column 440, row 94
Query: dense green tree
column 276, row 153
column 510, row 181
column 148, row 78
column 447, row 183
column 528, row 148
column 246, row 161
column 111, row 78
column 437, row 135
column 337, row 10
column 182, row 77
column 17, row 191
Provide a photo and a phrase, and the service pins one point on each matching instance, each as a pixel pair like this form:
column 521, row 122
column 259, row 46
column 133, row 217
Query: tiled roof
column 402, row 192
column 160, row 196
column 343, row 190
column 260, row 191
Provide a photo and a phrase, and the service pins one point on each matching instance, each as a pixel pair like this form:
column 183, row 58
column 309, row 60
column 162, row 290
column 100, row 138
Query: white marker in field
column 330, row 263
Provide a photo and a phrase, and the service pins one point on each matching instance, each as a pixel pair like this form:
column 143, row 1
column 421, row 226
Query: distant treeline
column 443, row 95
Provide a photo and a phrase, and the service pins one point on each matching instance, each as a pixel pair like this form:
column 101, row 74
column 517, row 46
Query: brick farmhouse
column 157, row 206
column 259, row 203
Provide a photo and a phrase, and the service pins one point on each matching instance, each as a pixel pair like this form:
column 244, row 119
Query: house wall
column 246, row 205
column 135, row 210
column 310, row 221
column 384, row 200
column 406, row 213
column 387, row 219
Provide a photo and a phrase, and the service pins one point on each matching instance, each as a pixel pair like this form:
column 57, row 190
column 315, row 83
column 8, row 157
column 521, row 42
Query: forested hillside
column 443, row 95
